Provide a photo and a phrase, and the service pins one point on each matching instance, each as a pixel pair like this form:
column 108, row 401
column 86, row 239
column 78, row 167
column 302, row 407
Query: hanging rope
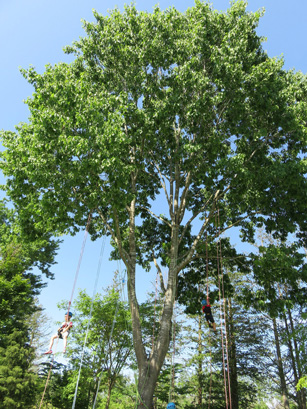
column 224, row 308
column 207, row 265
column 69, row 304
column 154, row 319
column 221, row 318
column 89, row 318
column 80, row 259
column 172, row 371
column 110, row 339
column 210, row 383
column 210, row 352
column 49, row 373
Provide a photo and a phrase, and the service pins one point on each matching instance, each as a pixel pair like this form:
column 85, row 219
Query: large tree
column 185, row 107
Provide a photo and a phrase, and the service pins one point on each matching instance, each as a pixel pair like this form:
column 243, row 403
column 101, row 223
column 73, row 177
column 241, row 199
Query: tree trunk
column 149, row 366
column 298, row 394
column 283, row 385
column 110, row 386
column 232, row 354
column 301, row 393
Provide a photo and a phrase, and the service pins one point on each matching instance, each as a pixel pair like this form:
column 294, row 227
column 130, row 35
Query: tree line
column 254, row 359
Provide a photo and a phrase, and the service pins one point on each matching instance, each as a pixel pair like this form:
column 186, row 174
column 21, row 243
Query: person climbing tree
column 63, row 333
column 208, row 313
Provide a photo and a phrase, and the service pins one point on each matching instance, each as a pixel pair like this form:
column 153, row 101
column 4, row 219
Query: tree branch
column 122, row 251
column 160, row 273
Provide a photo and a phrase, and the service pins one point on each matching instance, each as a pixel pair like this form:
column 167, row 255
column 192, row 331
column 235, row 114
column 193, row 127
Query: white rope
column 110, row 337
column 89, row 319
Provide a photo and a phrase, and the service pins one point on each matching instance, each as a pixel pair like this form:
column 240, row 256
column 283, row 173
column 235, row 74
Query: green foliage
column 108, row 348
column 261, row 405
column 194, row 280
column 20, row 252
column 138, row 82
column 123, row 396
column 302, row 383
column 279, row 271
column 18, row 383
column 56, row 393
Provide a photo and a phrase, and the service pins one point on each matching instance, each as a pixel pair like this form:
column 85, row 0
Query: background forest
column 165, row 131
column 255, row 359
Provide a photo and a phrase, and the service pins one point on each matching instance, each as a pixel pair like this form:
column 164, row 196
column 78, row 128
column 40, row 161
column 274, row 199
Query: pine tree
column 17, row 382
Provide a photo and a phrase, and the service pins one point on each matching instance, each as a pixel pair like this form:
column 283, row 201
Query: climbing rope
column 221, row 318
column 49, row 373
column 69, row 304
column 224, row 308
column 110, row 339
column 172, row 373
column 89, row 318
column 221, row 293
column 155, row 307
column 207, row 265
column 172, row 370
column 210, row 352
column 80, row 259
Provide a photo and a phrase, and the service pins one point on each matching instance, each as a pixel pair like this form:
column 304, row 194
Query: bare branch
column 177, row 174
column 156, row 216
column 199, row 235
column 124, row 255
column 189, row 222
column 162, row 182
column 160, row 273
column 184, row 197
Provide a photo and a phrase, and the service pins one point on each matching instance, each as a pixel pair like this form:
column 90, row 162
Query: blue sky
column 33, row 32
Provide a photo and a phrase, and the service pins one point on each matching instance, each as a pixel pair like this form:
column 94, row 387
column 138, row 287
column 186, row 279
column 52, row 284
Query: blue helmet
column 171, row 405
column 69, row 314
column 204, row 302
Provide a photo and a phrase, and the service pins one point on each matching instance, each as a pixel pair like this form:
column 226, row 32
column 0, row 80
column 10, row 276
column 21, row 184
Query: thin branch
column 156, row 216
column 184, row 197
column 199, row 235
column 162, row 182
column 124, row 255
column 189, row 222
column 177, row 174
column 160, row 273
column 239, row 220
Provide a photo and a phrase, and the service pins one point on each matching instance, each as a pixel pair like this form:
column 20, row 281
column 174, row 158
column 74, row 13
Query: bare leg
column 52, row 341
column 65, row 336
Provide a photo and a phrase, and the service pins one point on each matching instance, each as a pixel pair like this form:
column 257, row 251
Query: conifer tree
column 18, row 383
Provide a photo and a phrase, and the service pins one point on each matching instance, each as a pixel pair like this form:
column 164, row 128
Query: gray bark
column 283, row 385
